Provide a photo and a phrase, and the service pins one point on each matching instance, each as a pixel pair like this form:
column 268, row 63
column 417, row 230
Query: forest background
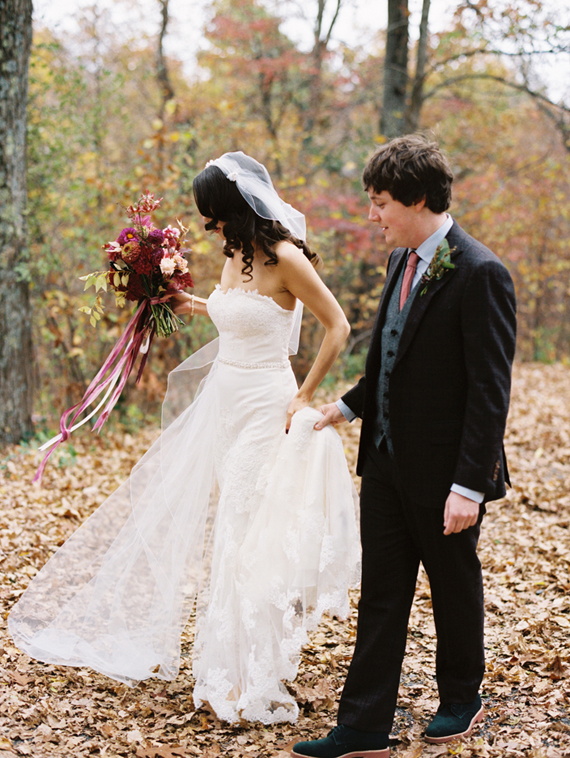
column 110, row 114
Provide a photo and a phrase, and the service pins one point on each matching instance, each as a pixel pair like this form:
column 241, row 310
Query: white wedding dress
column 225, row 510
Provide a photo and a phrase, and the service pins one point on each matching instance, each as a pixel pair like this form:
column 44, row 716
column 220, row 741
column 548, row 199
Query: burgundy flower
column 156, row 256
column 143, row 264
column 155, row 237
column 180, row 281
column 135, row 290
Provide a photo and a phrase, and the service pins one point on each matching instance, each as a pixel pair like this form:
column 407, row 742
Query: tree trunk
column 166, row 91
column 392, row 121
column 15, row 317
column 321, row 37
column 417, row 98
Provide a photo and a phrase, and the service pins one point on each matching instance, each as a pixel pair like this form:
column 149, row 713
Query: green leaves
column 97, row 279
column 440, row 262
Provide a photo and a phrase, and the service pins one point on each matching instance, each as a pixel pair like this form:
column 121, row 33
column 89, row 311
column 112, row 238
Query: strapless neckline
column 254, row 293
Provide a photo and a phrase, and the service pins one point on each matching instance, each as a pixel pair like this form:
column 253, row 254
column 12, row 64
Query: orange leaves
column 46, row 711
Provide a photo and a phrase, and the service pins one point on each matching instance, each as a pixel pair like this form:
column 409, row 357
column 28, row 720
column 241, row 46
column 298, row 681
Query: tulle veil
column 117, row 595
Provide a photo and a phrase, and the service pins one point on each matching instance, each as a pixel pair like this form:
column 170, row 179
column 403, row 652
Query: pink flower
column 146, row 204
column 113, row 250
column 127, row 235
column 181, row 263
column 167, row 266
column 171, row 233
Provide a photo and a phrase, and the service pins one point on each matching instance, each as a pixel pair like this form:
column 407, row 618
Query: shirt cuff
column 345, row 410
column 466, row 492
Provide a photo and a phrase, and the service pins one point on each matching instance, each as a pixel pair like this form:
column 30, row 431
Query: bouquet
column 147, row 266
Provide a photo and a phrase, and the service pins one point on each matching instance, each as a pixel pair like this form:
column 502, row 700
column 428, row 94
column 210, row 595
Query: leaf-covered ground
column 525, row 550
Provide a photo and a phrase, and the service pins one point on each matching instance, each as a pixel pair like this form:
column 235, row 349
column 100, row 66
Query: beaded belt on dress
column 241, row 364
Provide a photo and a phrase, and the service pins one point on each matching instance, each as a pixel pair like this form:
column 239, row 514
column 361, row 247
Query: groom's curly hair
column 411, row 168
column 219, row 199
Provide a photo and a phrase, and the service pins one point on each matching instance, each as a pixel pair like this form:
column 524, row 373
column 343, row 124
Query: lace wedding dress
column 225, row 510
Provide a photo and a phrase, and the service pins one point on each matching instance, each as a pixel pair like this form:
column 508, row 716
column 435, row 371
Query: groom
column 433, row 402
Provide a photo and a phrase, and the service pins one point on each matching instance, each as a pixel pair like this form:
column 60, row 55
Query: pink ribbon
column 120, row 361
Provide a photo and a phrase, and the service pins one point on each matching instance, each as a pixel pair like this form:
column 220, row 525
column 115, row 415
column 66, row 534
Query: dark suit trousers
column 396, row 536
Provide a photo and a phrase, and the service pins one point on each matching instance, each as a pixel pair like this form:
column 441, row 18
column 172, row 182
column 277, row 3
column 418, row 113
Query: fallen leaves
column 46, row 711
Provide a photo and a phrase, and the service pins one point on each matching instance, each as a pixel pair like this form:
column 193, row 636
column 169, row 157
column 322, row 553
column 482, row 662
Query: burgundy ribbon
column 119, row 362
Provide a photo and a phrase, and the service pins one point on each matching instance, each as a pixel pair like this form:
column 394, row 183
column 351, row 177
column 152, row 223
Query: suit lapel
column 421, row 303
column 397, row 260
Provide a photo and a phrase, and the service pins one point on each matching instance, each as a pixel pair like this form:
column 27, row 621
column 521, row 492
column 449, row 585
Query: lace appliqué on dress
column 266, row 552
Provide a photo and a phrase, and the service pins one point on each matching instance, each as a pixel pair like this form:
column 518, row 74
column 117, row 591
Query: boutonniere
column 439, row 263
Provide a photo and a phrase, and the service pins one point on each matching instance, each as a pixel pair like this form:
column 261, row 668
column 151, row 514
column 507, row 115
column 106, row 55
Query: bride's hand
column 181, row 302
column 297, row 404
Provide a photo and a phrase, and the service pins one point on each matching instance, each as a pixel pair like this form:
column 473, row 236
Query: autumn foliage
column 54, row 711
column 103, row 127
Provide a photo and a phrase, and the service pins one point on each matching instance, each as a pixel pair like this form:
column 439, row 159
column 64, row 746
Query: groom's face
column 398, row 221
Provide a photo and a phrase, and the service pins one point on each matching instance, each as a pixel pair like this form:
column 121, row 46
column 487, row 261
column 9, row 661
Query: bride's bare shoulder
column 289, row 253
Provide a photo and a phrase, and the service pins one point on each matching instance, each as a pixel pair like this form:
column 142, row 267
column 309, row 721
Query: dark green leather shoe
column 345, row 742
column 454, row 721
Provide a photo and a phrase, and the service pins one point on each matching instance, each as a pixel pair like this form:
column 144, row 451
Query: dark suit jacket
column 450, row 385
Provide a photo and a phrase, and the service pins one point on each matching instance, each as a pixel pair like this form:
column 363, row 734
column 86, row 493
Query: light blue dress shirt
column 426, row 251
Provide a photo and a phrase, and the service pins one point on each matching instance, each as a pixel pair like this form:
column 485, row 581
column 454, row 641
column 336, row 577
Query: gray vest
column 391, row 333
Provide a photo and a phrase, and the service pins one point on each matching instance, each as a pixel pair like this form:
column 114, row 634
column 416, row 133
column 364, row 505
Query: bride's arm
column 184, row 302
column 301, row 279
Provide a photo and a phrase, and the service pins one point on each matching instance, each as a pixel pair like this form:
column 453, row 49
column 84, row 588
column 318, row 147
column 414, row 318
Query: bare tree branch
column 502, row 80
column 333, row 22
column 417, row 98
column 554, row 111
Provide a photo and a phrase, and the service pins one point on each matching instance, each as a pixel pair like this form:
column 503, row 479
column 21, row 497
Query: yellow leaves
column 97, row 279
column 95, row 312
column 170, row 107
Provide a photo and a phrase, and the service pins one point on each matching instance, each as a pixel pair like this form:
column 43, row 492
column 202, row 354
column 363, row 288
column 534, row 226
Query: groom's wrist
column 345, row 410
column 474, row 495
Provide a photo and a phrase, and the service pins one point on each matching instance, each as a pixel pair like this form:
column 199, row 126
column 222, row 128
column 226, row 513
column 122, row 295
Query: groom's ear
column 419, row 205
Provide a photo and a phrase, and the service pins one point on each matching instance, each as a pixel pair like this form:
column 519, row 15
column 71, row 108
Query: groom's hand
column 460, row 513
column 331, row 415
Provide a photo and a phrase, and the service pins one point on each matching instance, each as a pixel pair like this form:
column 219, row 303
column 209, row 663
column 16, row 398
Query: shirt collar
column 428, row 247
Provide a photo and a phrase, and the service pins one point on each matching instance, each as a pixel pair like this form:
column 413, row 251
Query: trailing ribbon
column 118, row 365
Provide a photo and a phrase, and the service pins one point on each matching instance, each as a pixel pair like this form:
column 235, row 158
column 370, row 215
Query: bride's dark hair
column 219, row 199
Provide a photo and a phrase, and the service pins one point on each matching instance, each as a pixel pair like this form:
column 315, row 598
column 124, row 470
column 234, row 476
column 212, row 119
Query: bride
column 240, row 509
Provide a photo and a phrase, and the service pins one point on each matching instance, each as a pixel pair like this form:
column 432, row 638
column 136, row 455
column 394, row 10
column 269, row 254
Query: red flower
column 131, row 252
column 143, row 264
